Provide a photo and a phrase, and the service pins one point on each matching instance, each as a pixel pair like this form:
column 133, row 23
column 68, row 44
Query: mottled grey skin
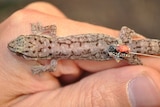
column 75, row 47
column 147, row 46
column 91, row 46
column 83, row 46
column 44, row 44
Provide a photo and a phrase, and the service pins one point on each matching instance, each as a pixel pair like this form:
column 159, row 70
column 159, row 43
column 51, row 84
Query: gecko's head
column 29, row 46
column 18, row 45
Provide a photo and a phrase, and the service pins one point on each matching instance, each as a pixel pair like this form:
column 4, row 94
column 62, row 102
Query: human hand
column 101, row 84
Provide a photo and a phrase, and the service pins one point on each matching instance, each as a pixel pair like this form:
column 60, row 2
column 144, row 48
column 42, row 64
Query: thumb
column 121, row 87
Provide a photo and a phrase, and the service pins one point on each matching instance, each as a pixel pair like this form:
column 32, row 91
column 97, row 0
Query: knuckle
column 19, row 16
column 23, row 16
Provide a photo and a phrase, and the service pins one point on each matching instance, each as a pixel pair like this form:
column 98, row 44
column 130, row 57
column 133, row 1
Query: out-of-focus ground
column 141, row 15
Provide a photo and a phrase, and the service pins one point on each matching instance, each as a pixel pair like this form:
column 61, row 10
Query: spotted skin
column 43, row 44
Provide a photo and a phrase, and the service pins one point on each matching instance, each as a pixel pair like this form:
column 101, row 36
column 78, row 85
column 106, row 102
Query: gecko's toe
column 37, row 69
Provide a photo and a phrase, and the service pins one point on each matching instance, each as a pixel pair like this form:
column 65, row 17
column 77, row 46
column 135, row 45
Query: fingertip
column 143, row 92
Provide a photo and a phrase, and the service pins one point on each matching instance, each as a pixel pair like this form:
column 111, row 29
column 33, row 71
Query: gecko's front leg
column 49, row 30
column 43, row 68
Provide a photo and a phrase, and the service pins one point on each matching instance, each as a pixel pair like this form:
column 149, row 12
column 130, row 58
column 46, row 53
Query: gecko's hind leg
column 126, row 35
column 49, row 30
column 43, row 68
column 118, row 56
column 133, row 59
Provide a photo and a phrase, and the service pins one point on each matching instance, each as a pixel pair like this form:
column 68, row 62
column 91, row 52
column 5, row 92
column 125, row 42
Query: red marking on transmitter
column 123, row 48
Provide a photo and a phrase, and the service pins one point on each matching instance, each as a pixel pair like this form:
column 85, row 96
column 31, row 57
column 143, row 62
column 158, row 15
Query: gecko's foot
column 134, row 60
column 38, row 69
column 43, row 68
column 126, row 34
column 49, row 30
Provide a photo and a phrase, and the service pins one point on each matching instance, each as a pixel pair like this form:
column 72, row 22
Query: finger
column 63, row 29
column 46, row 8
column 95, row 66
column 122, row 87
column 67, row 71
column 151, row 62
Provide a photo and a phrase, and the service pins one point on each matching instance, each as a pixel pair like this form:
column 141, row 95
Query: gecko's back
column 91, row 46
column 83, row 46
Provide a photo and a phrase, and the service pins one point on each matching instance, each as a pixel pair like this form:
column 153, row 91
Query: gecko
column 43, row 44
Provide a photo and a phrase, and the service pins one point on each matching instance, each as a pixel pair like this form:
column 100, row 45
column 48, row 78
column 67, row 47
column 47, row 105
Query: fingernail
column 142, row 92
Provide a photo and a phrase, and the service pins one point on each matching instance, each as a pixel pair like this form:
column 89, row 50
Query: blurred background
column 141, row 15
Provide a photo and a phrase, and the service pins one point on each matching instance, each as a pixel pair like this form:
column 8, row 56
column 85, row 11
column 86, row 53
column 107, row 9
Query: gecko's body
column 99, row 47
column 83, row 46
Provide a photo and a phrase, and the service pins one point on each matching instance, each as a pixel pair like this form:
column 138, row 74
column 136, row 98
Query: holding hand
column 101, row 84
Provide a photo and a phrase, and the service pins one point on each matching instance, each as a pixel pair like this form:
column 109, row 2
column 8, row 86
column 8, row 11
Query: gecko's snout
column 17, row 44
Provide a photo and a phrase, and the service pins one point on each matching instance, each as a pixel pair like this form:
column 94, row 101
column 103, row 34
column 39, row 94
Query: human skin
column 74, row 83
